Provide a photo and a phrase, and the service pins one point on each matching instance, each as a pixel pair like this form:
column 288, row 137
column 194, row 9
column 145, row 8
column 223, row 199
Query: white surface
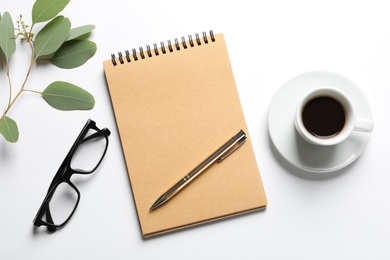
column 342, row 215
column 299, row 152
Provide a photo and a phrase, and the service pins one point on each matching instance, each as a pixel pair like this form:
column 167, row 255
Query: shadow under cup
column 325, row 116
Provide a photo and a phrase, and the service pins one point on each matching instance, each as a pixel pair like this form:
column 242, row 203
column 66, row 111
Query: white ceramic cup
column 352, row 122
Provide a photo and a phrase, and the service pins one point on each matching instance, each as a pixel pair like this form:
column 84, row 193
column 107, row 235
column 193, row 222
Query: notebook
column 175, row 103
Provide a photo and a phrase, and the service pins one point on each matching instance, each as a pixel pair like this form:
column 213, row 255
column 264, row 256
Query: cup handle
column 363, row 125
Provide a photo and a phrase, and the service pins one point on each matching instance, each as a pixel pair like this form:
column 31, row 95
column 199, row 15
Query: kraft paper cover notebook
column 175, row 104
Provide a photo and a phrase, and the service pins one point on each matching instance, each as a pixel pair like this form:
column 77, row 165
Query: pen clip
column 241, row 137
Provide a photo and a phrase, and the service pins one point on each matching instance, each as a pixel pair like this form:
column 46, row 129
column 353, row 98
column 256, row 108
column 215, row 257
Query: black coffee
column 323, row 117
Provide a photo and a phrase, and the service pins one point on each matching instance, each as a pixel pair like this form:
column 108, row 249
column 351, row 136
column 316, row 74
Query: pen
column 224, row 151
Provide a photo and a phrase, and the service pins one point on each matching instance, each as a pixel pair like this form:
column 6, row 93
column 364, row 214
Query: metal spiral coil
column 176, row 46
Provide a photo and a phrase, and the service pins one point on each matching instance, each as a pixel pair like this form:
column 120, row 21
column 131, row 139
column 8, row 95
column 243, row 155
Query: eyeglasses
column 84, row 157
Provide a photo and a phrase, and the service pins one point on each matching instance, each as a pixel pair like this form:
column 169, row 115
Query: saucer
column 286, row 140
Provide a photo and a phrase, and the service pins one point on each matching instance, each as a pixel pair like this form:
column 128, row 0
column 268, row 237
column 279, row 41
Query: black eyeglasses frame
column 64, row 174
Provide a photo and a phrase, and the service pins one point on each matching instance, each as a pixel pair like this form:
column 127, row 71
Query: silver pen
column 224, row 151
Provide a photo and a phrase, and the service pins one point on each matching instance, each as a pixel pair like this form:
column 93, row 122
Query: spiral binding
column 135, row 56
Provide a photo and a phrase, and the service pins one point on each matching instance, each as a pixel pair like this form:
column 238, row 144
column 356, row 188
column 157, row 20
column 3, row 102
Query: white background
column 342, row 215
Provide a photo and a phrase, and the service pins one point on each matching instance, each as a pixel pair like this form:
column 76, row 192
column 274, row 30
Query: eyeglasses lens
column 63, row 202
column 90, row 152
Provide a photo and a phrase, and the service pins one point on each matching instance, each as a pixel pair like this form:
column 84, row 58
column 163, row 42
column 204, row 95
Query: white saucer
column 292, row 147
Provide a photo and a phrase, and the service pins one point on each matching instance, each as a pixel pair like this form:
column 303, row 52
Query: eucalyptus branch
column 56, row 42
column 10, row 87
column 25, row 36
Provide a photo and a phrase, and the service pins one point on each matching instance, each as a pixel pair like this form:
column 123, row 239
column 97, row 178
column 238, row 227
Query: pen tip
column 153, row 207
column 158, row 203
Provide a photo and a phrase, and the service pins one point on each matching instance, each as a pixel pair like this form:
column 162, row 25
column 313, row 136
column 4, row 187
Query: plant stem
column 9, row 83
column 33, row 91
column 22, row 88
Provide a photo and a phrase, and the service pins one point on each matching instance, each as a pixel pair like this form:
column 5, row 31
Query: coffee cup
column 325, row 116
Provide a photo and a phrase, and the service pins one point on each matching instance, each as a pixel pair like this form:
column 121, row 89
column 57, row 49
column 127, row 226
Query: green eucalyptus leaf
column 73, row 54
column 44, row 10
column 78, row 32
column 9, row 129
column 7, row 36
column 47, row 57
column 65, row 96
column 52, row 36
